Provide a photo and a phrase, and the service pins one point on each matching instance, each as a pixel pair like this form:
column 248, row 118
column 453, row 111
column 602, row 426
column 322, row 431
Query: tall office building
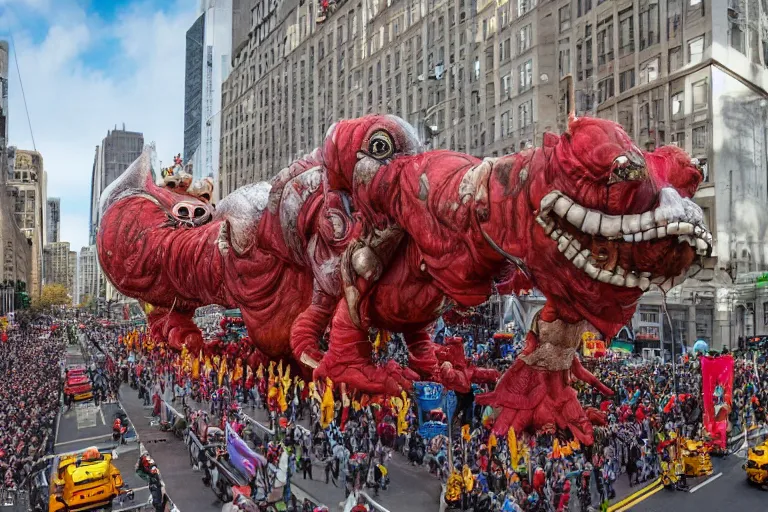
column 72, row 277
column 53, row 220
column 56, row 263
column 117, row 151
column 486, row 78
column 15, row 249
column 29, row 182
column 208, row 55
column 88, row 273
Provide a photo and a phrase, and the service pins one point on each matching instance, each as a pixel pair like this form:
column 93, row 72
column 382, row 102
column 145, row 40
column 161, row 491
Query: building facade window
column 604, row 41
column 525, row 114
column 565, row 17
column 605, row 89
column 649, row 24
column 649, row 70
column 695, row 50
column 564, row 62
column 526, row 76
column 677, row 104
column 506, row 128
column 699, row 136
column 506, row 87
column 626, row 80
column 524, row 39
column 626, row 33
column 675, row 59
column 700, row 95
column 524, row 6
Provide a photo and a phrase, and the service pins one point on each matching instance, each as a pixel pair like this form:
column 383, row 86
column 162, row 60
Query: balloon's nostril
column 199, row 212
column 183, row 211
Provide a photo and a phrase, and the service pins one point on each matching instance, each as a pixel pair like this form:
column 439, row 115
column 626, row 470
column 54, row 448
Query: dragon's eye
column 380, row 145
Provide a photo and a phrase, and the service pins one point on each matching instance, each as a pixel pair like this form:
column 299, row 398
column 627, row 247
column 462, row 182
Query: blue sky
column 86, row 66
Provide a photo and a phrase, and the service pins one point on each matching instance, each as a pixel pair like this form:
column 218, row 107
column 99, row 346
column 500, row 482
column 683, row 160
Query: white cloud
column 72, row 105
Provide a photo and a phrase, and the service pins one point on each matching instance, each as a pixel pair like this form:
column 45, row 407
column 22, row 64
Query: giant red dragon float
column 372, row 231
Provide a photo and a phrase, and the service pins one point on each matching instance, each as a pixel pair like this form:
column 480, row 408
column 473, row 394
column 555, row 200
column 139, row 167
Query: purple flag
column 241, row 456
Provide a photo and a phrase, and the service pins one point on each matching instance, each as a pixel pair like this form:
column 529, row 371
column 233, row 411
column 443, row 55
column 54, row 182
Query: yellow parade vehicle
column 696, row 458
column 757, row 465
column 84, row 481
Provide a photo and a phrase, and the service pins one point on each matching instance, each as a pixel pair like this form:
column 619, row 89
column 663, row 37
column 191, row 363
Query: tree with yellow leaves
column 52, row 295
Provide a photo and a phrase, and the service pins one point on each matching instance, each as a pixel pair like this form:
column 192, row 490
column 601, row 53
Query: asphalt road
column 85, row 425
column 729, row 492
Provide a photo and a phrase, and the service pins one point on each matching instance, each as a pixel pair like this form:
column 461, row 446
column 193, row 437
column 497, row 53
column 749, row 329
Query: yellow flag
column 196, row 368
column 469, row 479
column 286, row 378
column 238, row 373
column 556, row 449
column 327, row 405
column 401, row 405
column 512, row 443
column 492, row 442
column 465, row 433
column 222, row 370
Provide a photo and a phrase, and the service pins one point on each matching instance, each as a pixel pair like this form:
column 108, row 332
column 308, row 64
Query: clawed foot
column 461, row 379
column 389, row 380
column 177, row 329
column 529, row 398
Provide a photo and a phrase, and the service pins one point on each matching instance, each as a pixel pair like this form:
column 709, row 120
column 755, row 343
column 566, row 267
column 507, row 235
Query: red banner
column 717, row 391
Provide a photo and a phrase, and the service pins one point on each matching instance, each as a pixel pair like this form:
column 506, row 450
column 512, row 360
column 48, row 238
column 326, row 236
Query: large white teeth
column 581, row 259
column 571, row 251
column 675, row 216
column 610, row 227
column 576, row 215
column 646, row 221
column 549, row 201
column 562, row 206
column 630, row 223
column 604, row 276
column 650, row 234
column 617, row 280
column 591, row 224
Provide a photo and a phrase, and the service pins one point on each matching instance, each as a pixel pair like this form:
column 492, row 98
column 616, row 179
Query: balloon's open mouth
column 657, row 247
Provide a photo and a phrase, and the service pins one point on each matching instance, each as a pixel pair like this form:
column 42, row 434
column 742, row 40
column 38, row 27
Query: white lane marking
column 707, row 481
column 104, row 436
column 101, row 413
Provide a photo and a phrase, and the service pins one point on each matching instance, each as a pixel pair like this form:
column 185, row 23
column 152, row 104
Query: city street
column 86, row 425
column 728, row 492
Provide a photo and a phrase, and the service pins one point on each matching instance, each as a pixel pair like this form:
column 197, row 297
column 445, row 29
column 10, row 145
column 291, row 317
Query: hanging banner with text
column 717, row 391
